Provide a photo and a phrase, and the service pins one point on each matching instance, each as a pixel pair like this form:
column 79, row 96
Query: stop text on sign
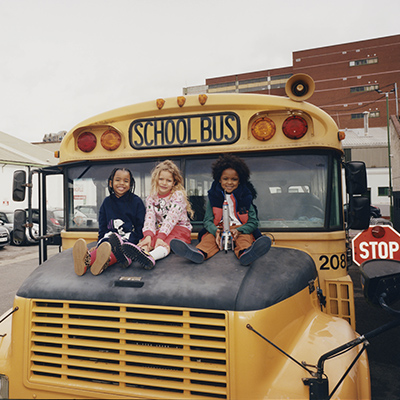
column 368, row 250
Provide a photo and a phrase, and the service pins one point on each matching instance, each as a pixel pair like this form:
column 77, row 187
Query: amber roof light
column 263, row 128
column 110, row 140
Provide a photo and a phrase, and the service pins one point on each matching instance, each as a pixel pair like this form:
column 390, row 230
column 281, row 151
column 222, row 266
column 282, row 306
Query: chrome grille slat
column 144, row 351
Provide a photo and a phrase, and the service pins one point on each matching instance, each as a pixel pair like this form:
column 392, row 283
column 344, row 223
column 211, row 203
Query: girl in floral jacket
column 167, row 209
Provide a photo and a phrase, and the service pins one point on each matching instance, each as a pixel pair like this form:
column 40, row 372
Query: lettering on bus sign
column 186, row 130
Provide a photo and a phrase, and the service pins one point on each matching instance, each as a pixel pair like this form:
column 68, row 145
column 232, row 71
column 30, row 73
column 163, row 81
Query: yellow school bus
column 217, row 330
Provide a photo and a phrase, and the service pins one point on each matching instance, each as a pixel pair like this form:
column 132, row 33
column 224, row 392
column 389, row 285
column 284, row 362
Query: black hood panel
column 220, row 283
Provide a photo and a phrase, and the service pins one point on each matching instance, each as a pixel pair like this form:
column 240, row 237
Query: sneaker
column 81, row 257
column 135, row 253
column 260, row 247
column 116, row 248
column 185, row 250
column 102, row 260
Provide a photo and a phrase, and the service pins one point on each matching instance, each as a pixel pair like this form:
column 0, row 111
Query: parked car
column 376, row 217
column 89, row 211
column 53, row 226
column 58, row 214
column 375, row 212
column 7, row 217
column 4, row 236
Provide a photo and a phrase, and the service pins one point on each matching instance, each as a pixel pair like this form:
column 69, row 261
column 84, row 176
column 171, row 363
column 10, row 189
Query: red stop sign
column 379, row 241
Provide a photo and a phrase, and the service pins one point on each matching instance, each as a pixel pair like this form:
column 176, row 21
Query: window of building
column 279, row 77
column 368, row 88
column 222, row 85
column 255, row 80
column 364, row 61
column 372, row 114
column 383, row 191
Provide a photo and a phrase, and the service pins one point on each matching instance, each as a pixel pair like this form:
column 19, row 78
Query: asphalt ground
column 16, row 264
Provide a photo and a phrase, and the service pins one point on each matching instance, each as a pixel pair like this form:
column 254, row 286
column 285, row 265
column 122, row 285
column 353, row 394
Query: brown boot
column 81, row 257
column 102, row 260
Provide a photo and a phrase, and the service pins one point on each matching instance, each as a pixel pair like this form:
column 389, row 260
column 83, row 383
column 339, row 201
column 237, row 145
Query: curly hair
column 229, row 160
column 169, row 166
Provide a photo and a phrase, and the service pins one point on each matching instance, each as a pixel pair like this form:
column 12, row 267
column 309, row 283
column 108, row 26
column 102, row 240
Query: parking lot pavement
column 16, row 264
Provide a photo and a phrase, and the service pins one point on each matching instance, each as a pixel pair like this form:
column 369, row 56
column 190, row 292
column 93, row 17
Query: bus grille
column 154, row 352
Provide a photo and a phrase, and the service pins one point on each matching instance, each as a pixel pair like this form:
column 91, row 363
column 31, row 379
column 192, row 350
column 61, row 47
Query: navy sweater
column 123, row 215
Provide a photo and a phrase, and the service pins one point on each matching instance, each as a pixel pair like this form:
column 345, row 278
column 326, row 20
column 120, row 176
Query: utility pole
column 389, row 155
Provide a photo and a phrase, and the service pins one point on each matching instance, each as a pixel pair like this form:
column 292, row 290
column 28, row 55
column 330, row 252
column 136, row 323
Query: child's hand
column 145, row 243
column 235, row 233
column 218, row 238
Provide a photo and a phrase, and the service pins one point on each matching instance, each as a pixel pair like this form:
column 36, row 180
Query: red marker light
column 295, row 127
column 378, row 232
column 86, row 142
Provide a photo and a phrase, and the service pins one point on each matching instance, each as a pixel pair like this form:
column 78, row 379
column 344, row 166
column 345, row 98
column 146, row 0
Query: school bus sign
column 189, row 130
column 377, row 241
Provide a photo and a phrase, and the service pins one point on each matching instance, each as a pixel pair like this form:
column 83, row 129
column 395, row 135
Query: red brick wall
column 329, row 67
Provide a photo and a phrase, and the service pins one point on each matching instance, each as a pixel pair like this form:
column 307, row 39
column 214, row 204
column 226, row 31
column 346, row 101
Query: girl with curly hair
column 231, row 183
column 167, row 209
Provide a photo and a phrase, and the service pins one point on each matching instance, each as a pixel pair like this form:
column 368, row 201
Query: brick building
column 346, row 79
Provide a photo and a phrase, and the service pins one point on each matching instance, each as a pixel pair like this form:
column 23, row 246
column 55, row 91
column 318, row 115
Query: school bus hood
column 219, row 283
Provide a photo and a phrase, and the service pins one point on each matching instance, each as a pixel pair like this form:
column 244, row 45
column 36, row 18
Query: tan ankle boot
column 102, row 260
column 81, row 257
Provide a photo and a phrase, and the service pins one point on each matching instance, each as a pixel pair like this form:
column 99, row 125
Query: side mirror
column 359, row 213
column 381, row 276
column 356, row 177
column 19, row 225
column 19, row 185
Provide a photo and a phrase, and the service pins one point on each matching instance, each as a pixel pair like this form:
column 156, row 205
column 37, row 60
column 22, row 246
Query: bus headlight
column 263, row 128
column 3, row 387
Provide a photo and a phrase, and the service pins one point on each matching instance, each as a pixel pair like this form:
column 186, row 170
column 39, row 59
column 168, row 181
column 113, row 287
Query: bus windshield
column 294, row 191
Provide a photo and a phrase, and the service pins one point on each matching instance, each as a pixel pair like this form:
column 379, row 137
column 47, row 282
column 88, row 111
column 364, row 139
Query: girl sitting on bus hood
column 231, row 182
column 121, row 219
column 167, row 209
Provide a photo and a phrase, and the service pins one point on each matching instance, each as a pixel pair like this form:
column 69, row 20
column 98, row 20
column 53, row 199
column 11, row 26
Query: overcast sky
column 62, row 61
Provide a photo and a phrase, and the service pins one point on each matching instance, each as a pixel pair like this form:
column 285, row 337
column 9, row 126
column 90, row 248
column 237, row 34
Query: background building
column 356, row 83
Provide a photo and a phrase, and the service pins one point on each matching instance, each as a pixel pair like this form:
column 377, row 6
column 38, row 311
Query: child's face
column 165, row 183
column 121, row 183
column 229, row 180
